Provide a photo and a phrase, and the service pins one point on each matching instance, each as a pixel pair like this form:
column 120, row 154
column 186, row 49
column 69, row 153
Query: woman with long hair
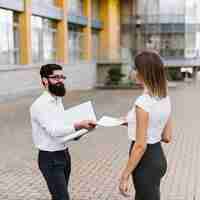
column 149, row 124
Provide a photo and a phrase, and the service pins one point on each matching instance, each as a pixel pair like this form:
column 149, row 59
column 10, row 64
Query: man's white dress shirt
column 48, row 127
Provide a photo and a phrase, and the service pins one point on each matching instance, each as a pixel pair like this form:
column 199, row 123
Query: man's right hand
column 85, row 124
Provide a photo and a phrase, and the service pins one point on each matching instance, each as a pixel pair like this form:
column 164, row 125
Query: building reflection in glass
column 9, row 34
column 43, row 40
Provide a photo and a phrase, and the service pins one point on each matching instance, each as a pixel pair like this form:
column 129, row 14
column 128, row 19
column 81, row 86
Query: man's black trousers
column 56, row 168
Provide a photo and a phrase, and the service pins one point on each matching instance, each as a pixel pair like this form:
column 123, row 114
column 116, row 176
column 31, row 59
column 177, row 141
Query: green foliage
column 114, row 76
column 128, row 83
column 174, row 74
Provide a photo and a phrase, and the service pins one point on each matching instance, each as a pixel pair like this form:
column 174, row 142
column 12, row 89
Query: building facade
column 74, row 33
column 89, row 36
column 170, row 27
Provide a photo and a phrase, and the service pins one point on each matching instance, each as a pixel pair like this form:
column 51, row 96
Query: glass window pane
column 71, row 46
column 95, row 45
column 76, row 41
column 192, row 8
column 50, row 2
column 172, row 45
column 48, row 46
column 9, row 47
column 43, row 40
column 49, row 34
column 76, row 7
column 36, row 23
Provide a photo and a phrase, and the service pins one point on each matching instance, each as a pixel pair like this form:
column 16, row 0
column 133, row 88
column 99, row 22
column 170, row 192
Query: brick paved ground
column 98, row 158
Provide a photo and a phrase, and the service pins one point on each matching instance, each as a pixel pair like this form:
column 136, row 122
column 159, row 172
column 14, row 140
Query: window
column 191, row 41
column 168, row 44
column 9, row 34
column 95, row 45
column 192, row 9
column 76, row 7
column 152, row 41
column 172, row 45
column 76, row 40
column 43, row 40
column 49, row 2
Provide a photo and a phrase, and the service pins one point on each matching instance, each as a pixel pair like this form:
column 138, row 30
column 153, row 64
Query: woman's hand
column 167, row 132
column 124, row 184
column 165, row 140
column 125, row 121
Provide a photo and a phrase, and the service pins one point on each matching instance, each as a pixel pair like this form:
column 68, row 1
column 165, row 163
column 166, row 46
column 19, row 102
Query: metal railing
column 175, row 53
column 153, row 19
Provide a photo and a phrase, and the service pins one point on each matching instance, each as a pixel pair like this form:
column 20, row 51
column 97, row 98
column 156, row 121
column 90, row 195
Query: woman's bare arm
column 142, row 120
column 167, row 132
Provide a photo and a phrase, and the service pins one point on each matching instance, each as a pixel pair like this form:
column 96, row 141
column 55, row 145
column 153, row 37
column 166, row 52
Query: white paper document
column 73, row 136
column 84, row 111
column 107, row 121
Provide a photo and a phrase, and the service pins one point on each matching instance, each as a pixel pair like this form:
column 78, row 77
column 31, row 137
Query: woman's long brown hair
column 150, row 68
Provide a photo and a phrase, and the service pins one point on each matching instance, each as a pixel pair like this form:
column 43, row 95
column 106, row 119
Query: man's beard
column 57, row 89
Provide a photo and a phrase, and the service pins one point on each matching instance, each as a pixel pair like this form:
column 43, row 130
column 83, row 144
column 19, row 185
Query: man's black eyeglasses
column 57, row 77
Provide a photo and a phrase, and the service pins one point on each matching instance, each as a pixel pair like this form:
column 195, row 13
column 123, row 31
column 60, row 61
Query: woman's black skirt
column 148, row 173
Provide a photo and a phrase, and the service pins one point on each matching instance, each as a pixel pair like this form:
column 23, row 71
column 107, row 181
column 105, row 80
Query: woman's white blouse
column 159, row 110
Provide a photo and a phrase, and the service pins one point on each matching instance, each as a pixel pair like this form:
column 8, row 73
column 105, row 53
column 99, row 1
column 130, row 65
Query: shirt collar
column 50, row 97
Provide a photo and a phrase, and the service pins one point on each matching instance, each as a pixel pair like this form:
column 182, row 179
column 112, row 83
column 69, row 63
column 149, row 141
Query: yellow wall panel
column 62, row 34
column 110, row 35
column 87, row 43
column 25, row 34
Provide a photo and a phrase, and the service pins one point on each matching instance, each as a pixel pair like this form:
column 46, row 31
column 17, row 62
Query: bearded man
column 48, row 128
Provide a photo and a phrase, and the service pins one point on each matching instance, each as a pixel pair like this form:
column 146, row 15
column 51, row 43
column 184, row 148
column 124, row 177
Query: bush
column 114, row 76
column 128, row 83
column 174, row 74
